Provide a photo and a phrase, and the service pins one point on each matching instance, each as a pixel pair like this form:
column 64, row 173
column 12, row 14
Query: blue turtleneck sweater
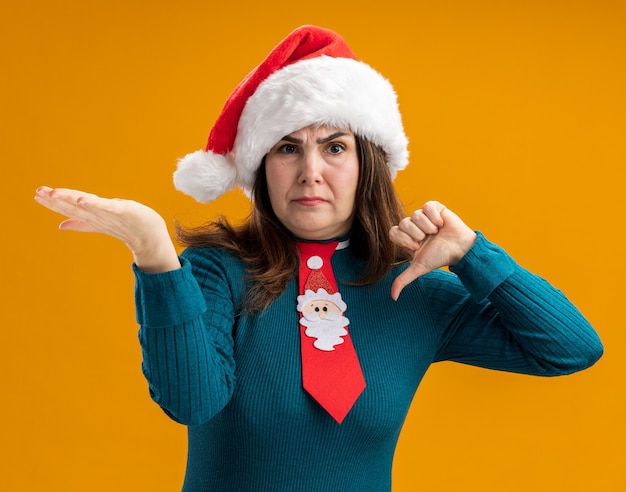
column 235, row 379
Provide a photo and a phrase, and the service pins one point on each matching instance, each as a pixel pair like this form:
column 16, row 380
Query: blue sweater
column 235, row 380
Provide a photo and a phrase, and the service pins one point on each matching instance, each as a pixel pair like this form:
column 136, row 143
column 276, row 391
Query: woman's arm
column 187, row 317
column 501, row 316
column 186, row 341
column 495, row 313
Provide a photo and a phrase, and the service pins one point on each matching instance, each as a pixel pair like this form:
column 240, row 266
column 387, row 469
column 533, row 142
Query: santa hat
column 316, row 279
column 318, row 287
column 311, row 77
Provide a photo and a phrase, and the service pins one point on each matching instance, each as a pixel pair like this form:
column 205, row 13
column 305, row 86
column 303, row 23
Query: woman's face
column 312, row 176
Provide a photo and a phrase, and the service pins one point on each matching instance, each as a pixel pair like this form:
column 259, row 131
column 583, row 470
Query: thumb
column 413, row 272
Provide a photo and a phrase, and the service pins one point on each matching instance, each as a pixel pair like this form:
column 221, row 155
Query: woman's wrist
column 158, row 258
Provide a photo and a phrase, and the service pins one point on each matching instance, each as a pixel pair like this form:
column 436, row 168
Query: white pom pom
column 314, row 262
column 204, row 176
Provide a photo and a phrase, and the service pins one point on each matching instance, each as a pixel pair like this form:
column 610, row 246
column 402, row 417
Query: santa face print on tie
column 322, row 315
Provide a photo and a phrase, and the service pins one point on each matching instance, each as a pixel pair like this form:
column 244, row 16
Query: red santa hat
column 316, row 279
column 311, row 77
column 317, row 285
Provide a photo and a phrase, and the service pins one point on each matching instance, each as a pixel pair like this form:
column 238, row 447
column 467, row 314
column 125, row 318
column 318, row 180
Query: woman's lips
column 309, row 201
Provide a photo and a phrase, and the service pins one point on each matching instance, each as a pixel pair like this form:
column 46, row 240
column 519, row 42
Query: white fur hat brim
column 338, row 92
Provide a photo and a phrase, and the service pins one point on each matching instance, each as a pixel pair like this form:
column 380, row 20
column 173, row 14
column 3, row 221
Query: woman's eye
column 336, row 148
column 288, row 149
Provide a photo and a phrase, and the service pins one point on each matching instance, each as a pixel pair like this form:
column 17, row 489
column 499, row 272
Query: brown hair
column 267, row 247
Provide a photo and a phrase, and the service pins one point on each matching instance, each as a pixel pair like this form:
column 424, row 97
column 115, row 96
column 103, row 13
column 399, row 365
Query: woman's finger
column 403, row 239
column 60, row 200
column 75, row 225
column 434, row 211
column 415, row 270
column 412, row 229
column 424, row 222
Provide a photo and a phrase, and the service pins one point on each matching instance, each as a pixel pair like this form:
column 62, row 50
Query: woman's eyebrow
column 290, row 139
column 333, row 136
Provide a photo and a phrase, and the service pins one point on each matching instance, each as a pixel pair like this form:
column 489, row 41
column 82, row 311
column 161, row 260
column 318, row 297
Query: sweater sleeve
column 186, row 319
column 501, row 316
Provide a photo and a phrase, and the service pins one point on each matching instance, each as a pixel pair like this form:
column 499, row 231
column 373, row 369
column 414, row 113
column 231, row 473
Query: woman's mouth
column 309, row 201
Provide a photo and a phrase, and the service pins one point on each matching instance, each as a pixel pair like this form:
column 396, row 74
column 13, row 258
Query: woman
column 284, row 343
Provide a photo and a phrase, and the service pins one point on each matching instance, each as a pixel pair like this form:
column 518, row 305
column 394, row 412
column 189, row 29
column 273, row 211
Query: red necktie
column 331, row 372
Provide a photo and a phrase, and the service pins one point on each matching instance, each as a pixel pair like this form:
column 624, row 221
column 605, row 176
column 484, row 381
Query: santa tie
column 331, row 372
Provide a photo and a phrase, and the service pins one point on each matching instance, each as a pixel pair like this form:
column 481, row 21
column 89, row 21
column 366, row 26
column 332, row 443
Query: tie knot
column 316, row 269
column 323, row 251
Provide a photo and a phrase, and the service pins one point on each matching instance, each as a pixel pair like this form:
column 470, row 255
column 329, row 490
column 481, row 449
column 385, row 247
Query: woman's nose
column 312, row 166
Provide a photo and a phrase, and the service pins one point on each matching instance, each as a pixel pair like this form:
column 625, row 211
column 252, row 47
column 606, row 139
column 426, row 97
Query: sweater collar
column 343, row 241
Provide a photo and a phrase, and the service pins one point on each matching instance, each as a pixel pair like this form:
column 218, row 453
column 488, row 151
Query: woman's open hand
column 438, row 238
column 141, row 228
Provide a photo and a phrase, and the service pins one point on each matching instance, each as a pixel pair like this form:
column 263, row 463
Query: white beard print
column 327, row 331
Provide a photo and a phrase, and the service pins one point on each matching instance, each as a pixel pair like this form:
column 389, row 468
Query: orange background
column 516, row 115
